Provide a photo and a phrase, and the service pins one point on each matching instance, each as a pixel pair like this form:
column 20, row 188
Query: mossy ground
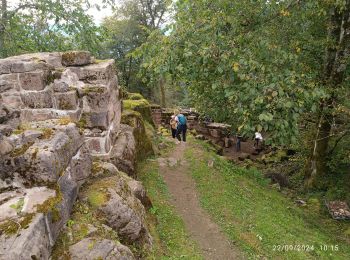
column 261, row 220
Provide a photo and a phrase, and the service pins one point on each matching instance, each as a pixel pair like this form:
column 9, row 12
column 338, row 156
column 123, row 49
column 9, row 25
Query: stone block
column 96, row 120
column 96, row 98
column 76, row 58
column 5, row 66
column 80, row 165
column 22, row 66
column 29, row 115
column 12, row 99
column 35, row 80
column 66, row 100
column 101, row 72
column 37, row 99
column 9, row 81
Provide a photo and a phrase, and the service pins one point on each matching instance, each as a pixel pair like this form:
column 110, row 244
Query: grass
column 261, row 220
column 171, row 240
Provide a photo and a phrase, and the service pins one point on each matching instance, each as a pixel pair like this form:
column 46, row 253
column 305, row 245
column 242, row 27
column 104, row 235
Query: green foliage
column 261, row 59
column 48, row 25
column 128, row 29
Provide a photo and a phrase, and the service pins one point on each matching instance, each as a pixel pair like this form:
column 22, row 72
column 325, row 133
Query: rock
column 243, row 156
column 276, row 186
column 338, row 209
column 90, row 249
column 200, row 137
column 139, row 192
column 33, row 80
column 65, row 100
column 300, row 202
column 76, row 58
column 31, row 135
column 32, row 242
column 100, row 73
column 5, row 146
column 123, row 152
column 122, row 210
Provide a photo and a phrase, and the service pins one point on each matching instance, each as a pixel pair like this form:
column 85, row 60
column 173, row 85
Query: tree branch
column 21, row 7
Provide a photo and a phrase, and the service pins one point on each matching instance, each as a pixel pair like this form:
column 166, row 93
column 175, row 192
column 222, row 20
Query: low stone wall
column 59, row 112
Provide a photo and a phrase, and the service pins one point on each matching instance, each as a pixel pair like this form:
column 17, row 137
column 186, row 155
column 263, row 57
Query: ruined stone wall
column 217, row 132
column 59, row 112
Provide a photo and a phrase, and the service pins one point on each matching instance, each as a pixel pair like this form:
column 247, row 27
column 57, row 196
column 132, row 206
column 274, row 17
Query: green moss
column 97, row 198
column 18, row 206
column 50, row 206
column 135, row 104
column 47, row 133
column 135, row 96
column 65, row 120
column 11, row 227
column 21, row 150
column 97, row 169
column 97, row 61
column 93, row 89
column 144, row 146
column 68, row 56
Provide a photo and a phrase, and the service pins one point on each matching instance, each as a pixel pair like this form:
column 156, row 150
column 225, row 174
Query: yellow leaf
column 235, row 67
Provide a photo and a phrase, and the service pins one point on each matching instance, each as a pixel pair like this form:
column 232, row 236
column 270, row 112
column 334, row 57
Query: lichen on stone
column 50, row 205
column 11, row 226
column 64, row 120
column 21, row 150
column 47, row 133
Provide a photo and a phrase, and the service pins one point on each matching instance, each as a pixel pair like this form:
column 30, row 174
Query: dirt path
column 212, row 242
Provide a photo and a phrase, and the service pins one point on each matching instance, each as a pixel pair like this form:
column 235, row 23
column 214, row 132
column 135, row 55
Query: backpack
column 182, row 119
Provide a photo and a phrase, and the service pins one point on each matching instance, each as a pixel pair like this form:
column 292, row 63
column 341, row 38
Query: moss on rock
column 11, row 227
column 143, row 141
column 139, row 104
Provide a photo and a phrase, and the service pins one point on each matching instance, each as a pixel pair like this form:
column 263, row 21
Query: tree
column 46, row 25
column 260, row 65
column 129, row 28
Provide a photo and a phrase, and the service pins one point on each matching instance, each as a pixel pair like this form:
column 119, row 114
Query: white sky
column 97, row 15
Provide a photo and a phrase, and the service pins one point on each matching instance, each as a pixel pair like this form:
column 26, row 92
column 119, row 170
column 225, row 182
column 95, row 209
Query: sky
column 97, row 15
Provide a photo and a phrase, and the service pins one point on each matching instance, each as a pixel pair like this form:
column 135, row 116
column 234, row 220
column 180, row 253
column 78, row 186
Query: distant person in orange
column 173, row 126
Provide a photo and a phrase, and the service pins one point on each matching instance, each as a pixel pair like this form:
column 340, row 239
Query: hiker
column 258, row 139
column 173, row 126
column 238, row 142
column 181, row 127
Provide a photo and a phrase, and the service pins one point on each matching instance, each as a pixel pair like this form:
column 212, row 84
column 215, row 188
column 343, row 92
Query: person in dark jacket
column 181, row 127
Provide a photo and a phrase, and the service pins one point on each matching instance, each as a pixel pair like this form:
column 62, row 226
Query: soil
column 203, row 230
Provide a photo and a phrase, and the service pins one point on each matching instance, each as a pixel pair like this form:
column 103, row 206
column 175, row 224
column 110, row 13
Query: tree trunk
column 317, row 165
column 129, row 74
column 3, row 21
column 162, row 92
column 336, row 59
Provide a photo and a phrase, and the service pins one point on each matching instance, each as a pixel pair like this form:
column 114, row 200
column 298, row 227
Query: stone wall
column 59, row 112
column 216, row 132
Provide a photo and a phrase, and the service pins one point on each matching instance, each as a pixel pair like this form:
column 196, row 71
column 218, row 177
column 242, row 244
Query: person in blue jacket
column 181, row 127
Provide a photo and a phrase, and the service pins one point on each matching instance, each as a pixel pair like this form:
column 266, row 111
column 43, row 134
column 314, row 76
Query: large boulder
column 113, row 198
column 91, row 249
